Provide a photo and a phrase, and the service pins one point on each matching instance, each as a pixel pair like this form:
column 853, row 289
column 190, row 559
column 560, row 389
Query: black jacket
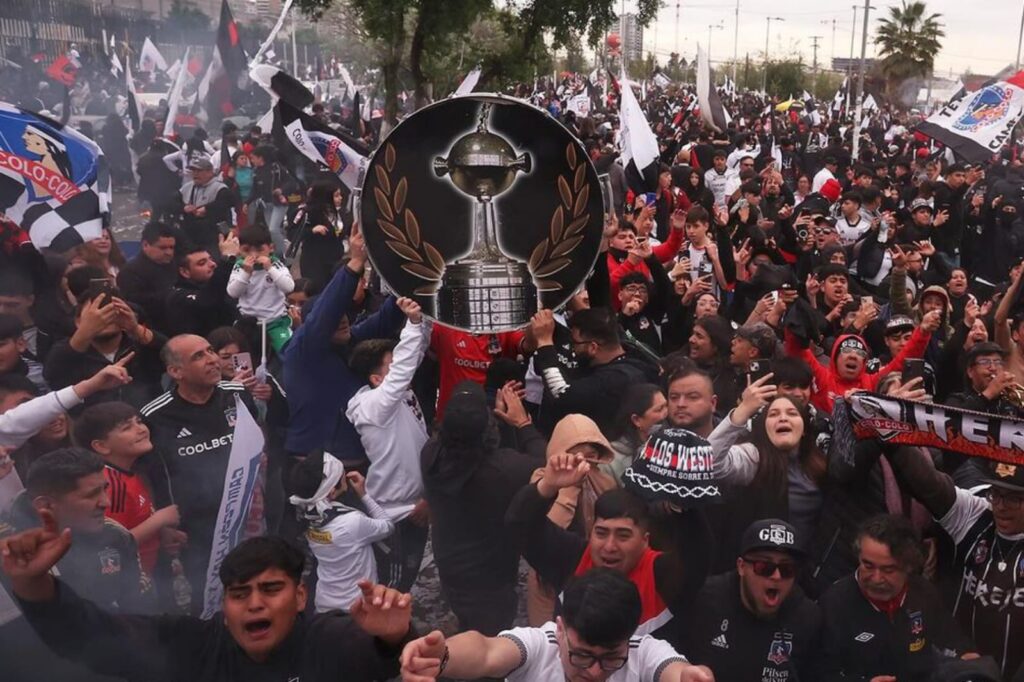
column 589, row 391
column 328, row 646
column 721, row 633
column 65, row 366
column 199, row 309
column 145, row 283
column 468, row 500
column 860, row 642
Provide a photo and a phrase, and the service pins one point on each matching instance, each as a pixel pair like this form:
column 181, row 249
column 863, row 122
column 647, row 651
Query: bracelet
column 444, row 661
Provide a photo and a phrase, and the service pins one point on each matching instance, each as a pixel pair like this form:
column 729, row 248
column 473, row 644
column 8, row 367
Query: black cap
column 771, row 534
column 898, row 323
column 1006, row 476
column 984, row 348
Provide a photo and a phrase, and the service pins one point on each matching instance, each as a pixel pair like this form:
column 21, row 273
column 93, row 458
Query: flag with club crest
column 150, row 58
column 639, row 145
column 331, row 149
column 54, row 181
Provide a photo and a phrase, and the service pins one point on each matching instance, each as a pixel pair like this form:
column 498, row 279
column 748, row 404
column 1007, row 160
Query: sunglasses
column 766, row 569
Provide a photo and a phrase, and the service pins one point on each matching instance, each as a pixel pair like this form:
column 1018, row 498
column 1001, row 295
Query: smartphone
column 867, row 300
column 105, row 287
column 706, row 268
column 224, row 227
column 912, row 369
column 758, row 369
column 242, row 362
column 650, row 198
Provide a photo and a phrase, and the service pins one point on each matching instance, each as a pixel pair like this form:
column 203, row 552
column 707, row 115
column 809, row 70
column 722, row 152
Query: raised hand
column 29, row 556
column 411, row 309
column 382, row 612
column 562, row 471
column 931, row 321
column 110, row 377
column 421, row 658
column 755, row 396
column 357, row 482
column 542, row 326
column 509, row 407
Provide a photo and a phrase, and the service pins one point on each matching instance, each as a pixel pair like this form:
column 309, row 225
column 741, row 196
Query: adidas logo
column 461, row 343
column 720, row 642
column 864, row 637
column 184, row 433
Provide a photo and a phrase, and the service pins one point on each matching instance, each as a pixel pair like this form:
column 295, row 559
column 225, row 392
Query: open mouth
column 772, row 596
column 783, row 428
column 258, row 629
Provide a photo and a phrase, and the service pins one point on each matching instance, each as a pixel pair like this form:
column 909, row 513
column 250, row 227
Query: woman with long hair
column 642, row 409
column 696, row 192
column 765, row 448
column 324, row 233
column 103, row 252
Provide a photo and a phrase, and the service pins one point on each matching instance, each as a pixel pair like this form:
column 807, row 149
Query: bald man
column 192, row 427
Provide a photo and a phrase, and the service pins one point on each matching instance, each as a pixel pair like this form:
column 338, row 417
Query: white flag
column 468, row 83
column 150, row 58
column 174, row 97
column 273, row 34
column 579, row 104
column 711, row 109
column 241, row 482
column 350, row 86
column 639, row 144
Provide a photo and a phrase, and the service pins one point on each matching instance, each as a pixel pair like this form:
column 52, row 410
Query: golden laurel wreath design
column 421, row 258
column 568, row 221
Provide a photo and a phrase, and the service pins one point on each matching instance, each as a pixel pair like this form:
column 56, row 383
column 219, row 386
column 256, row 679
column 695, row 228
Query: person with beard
column 107, row 332
column 604, row 367
column 199, row 298
column 754, row 622
column 469, row 479
column 317, row 378
column 691, row 399
column 709, row 347
column 886, row 622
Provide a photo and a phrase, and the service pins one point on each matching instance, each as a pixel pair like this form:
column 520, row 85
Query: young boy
column 115, row 431
column 339, row 536
column 261, row 282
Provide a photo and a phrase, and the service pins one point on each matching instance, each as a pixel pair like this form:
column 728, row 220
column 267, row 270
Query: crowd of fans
column 768, row 275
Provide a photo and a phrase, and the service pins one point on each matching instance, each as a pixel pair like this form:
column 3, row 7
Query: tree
column 908, row 41
column 185, row 18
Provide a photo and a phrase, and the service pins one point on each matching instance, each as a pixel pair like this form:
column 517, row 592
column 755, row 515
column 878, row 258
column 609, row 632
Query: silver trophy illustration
column 485, row 289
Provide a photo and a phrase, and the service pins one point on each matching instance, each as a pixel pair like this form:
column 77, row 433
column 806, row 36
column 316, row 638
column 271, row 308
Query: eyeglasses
column 608, row 662
column 766, row 569
column 989, row 362
column 635, row 289
column 581, row 342
column 1010, row 501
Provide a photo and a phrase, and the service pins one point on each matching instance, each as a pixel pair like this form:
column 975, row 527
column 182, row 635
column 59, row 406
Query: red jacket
column 663, row 252
column 827, row 383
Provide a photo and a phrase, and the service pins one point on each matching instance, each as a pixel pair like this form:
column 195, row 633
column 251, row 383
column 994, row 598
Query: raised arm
column 466, row 656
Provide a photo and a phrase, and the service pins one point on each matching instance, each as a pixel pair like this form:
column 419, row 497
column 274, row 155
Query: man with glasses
column 591, row 641
column 754, row 623
column 887, row 622
column 987, row 573
column 987, row 378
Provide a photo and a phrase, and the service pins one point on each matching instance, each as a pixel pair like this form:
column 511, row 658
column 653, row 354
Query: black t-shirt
column 739, row 647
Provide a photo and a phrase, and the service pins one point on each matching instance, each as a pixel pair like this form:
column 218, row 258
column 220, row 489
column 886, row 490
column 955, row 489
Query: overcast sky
column 981, row 35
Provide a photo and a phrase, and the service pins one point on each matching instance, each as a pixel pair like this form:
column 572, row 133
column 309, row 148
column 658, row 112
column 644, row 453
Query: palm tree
column 908, row 41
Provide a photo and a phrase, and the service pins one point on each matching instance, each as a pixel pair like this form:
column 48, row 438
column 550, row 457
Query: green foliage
column 908, row 41
column 184, row 16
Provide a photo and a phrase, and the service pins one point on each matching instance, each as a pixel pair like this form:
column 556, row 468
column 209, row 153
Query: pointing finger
column 123, row 362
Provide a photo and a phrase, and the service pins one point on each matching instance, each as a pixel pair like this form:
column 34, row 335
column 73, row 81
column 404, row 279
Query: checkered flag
column 54, row 181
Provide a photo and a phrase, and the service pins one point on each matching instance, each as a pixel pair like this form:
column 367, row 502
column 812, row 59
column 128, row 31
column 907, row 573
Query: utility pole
column 736, row 40
column 814, row 67
column 718, row 26
column 767, row 35
column 1020, row 38
column 849, row 64
column 677, row 26
column 860, row 81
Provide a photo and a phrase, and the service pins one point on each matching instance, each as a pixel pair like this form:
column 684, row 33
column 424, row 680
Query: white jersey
column 540, row 662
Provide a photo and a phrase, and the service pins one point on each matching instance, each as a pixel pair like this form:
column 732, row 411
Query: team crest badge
column 1004, row 470
column 916, row 623
column 988, row 106
column 231, row 416
column 781, row 648
column 981, row 552
column 110, row 561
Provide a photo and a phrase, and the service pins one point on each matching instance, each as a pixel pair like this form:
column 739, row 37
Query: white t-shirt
column 648, row 657
column 820, row 178
column 849, row 232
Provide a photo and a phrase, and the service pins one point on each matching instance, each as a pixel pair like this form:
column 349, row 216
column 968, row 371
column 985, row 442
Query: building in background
column 632, row 37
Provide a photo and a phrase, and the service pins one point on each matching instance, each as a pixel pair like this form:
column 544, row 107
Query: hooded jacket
column 828, row 385
column 468, row 487
column 573, row 506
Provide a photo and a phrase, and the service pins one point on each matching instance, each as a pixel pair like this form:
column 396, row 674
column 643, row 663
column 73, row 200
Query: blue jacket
column 317, row 379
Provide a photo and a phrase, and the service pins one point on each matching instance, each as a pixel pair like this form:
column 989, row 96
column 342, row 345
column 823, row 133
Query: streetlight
column 767, row 34
column 1020, row 38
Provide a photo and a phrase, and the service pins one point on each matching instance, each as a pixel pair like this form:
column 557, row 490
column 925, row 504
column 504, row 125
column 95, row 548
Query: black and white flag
column 54, row 181
column 331, row 149
column 639, row 145
column 711, row 110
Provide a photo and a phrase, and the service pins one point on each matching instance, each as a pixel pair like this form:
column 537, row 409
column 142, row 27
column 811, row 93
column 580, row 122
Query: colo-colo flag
column 342, row 154
column 54, row 181
column 976, row 125
column 711, row 110
column 639, row 145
